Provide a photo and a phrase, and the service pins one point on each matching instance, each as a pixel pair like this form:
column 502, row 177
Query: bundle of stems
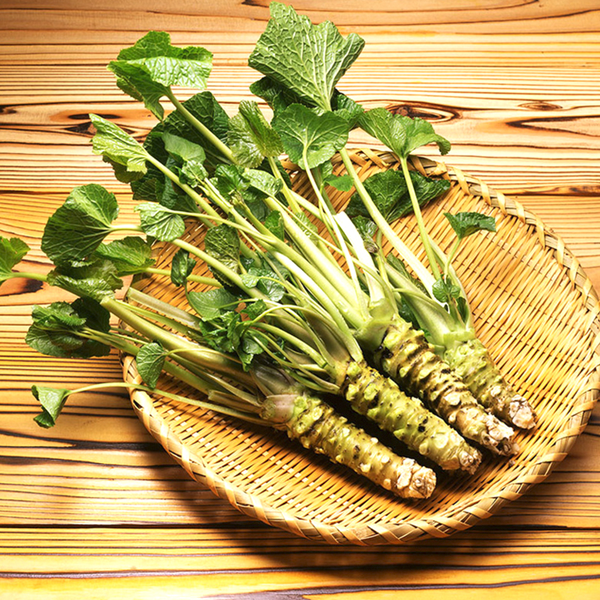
column 264, row 396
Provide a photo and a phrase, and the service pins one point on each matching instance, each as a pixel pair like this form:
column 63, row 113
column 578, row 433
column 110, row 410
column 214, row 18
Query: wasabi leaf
column 189, row 155
column 275, row 95
column 266, row 281
column 181, row 267
column 279, row 98
column 263, row 182
column 137, row 83
column 57, row 316
column 150, row 186
column 212, row 303
column 150, row 360
column 401, row 134
column 96, row 278
column 223, row 243
column 245, row 151
column 77, row 228
column 152, row 65
column 160, row 222
column 426, row 189
column 12, row 252
column 308, row 138
column 251, row 347
column 83, row 312
column 444, row 290
column 229, row 179
column 468, row 223
column 343, row 183
column 118, row 147
column 255, row 309
column 307, row 59
column 204, row 107
column 130, row 255
column 274, row 223
column 389, row 192
column 52, row 401
column 345, row 107
column 250, row 136
column 223, row 330
column 58, row 329
column 367, row 229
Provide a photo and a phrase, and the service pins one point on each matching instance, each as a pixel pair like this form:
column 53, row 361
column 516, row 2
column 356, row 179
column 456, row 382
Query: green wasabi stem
column 200, row 127
column 43, row 420
column 289, row 194
column 471, row 361
column 398, row 245
column 162, row 308
column 28, row 275
column 318, row 254
column 406, row 356
column 318, row 427
column 425, row 240
column 211, row 281
column 192, row 351
column 203, row 382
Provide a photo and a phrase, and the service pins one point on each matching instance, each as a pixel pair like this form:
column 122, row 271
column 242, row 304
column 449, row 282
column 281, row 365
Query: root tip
column 422, row 484
column 522, row 414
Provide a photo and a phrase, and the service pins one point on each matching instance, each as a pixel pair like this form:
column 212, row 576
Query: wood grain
column 94, row 506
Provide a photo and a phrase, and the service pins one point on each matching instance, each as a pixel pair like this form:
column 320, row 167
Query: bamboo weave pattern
column 535, row 310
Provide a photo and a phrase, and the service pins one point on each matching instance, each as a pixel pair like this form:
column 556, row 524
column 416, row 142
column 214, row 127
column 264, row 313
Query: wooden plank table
column 94, row 508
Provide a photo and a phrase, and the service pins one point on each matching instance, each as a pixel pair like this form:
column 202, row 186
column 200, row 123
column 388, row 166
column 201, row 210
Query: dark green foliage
column 52, row 401
column 129, row 255
column 160, row 222
column 149, row 68
column 401, row 134
column 150, row 360
column 60, row 328
column 468, row 223
column 181, row 267
column 389, row 191
column 310, row 138
column 307, row 59
column 96, row 278
column 12, row 252
column 78, row 227
column 251, row 138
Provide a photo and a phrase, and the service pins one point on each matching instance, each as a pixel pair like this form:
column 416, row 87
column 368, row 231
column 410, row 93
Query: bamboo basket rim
column 369, row 533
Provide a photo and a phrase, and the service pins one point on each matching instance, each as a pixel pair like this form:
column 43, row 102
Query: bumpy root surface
column 318, row 427
column 473, row 364
column 377, row 397
column 407, row 358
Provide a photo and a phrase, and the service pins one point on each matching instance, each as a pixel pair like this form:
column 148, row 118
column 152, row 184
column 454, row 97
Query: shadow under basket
column 535, row 310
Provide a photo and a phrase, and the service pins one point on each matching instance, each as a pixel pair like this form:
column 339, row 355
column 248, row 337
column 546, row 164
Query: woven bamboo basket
column 534, row 308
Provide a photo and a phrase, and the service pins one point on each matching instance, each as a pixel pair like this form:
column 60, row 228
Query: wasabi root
column 472, row 363
column 409, row 359
column 377, row 397
column 318, row 427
